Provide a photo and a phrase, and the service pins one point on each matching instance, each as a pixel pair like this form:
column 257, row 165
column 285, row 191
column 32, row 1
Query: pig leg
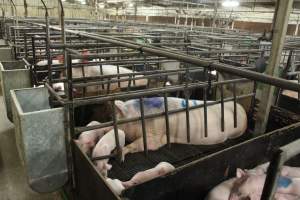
column 153, row 143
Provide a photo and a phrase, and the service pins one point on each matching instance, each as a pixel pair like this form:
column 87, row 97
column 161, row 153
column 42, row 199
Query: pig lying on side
column 156, row 127
column 250, row 186
column 159, row 170
column 88, row 139
column 90, row 71
column 104, row 147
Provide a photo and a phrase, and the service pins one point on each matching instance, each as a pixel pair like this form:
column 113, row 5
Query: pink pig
column 104, row 147
column 156, row 127
column 250, row 186
column 87, row 140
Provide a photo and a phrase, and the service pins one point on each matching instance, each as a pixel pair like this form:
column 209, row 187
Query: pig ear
column 120, row 108
column 240, row 173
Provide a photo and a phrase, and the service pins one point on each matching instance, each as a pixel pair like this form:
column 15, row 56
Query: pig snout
column 116, row 185
column 58, row 87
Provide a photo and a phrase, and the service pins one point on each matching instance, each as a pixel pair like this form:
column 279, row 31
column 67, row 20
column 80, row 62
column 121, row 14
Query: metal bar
column 205, row 111
column 234, row 106
column 122, row 121
column 167, row 120
column 282, row 155
column 143, row 126
column 187, row 106
column 115, row 125
column 192, row 60
column 222, row 108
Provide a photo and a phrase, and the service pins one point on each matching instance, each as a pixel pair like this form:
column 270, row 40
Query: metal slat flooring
column 177, row 155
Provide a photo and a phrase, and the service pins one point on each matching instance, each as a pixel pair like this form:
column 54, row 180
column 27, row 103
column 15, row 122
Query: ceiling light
column 230, row 3
column 130, row 5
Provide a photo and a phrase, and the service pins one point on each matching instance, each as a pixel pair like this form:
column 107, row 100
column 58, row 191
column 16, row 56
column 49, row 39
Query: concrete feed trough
column 14, row 75
column 40, row 139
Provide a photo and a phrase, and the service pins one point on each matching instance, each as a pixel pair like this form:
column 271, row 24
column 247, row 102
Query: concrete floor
column 13, row 185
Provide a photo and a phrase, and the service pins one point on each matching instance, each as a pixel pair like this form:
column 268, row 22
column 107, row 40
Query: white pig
column 251, row 185
column 88, row 139
column 90, row 71
column 288, row 171
column 159, row 170
column 156, row 127
column 104, row 147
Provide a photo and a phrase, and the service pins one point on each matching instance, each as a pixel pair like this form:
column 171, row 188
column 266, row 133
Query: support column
column 266, row 92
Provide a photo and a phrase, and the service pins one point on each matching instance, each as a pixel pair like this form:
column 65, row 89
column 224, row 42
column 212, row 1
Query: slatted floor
column 177, row 155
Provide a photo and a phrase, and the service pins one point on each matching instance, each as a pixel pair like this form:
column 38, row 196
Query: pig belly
column 214, row 133
column 107, row 70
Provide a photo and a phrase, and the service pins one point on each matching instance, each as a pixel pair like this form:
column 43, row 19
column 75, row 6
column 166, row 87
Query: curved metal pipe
column 15, row 8
column 46, row 9
column 49, row 59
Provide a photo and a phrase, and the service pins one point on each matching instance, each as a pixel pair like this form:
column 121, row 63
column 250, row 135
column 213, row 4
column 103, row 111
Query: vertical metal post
column 49, row 59
column 267, row 92
column 143, row 126
column 167, row 120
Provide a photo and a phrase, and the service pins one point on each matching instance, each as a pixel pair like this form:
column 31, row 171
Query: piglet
column 104, row 147
column 293, row 172
column 250, row 186
column 161, row 169
column 87, row 140
column 116, row 185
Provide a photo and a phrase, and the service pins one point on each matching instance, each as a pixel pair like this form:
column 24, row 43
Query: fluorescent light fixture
column 230, row 3
column 130, row 5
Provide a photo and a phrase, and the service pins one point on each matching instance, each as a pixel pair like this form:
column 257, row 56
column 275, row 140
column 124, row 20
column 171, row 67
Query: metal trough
column 6, row 53
column 3, row 43
column 14, row 75
column 40, row 139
